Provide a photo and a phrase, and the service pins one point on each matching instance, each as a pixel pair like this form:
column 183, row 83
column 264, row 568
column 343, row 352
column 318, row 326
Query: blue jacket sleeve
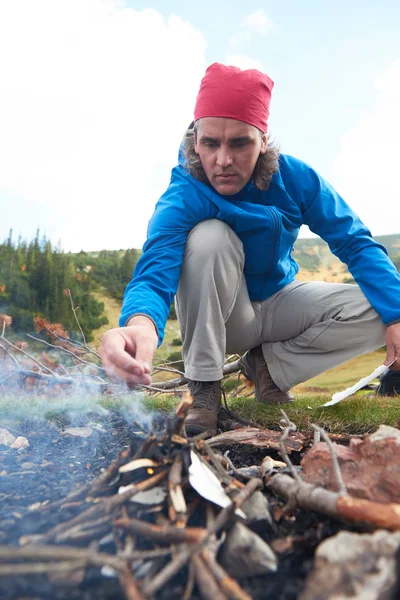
column 156, row 276
column 328, row 215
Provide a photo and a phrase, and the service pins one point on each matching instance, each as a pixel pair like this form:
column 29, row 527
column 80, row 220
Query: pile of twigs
column 145, row 509
column 168, row 506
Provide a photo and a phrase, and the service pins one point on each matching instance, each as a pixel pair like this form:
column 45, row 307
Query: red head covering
column 235, row 94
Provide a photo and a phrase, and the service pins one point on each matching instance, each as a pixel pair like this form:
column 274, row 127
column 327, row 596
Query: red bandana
column 235, row 94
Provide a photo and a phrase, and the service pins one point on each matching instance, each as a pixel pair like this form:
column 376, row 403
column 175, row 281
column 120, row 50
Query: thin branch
column 290, row 426
column 7, row 353
column 335, row 462
column 30, row 357
column 75, row 343
column 85, row 362
column 229, row 368
column 161, row 368
column 50, row 552
column 76, row 316
column 53, row 378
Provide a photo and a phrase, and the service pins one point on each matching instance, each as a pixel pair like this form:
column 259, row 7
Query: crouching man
column 221, row 241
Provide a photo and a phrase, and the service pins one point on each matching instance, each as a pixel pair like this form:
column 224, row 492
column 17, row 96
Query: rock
column 27, row 465
column 370, row 467
column 256, row 509
column 20, row 442
column 79, row 432
column 6, row 438
column 245, row 554
column 354, row 566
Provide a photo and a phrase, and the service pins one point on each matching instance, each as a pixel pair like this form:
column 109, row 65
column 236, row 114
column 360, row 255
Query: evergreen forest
column 34, row 276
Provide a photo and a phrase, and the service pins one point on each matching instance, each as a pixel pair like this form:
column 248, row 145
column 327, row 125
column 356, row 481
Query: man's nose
column 224, row 158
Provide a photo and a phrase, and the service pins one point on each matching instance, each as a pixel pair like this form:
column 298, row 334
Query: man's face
column 228, row 150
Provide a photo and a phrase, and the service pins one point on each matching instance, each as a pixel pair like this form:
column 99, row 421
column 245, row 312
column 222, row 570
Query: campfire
column 173, row 516
column 171, row 509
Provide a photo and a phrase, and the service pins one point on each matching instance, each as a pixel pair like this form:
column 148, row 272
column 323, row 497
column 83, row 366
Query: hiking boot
column 204, row 412
column 255, row 368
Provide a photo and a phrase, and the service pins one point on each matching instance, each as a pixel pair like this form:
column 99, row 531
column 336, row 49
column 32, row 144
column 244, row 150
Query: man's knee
column 212, row 237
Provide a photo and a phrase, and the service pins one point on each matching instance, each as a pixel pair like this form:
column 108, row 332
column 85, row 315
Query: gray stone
column 79, row 432
column 354, row 566
column 27, row 465
column 256, row 509
column 20, row 442
column 245, row 553
column 6, row 438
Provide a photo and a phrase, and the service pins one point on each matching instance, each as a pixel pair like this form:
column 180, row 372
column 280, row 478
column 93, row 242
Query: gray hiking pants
column 305, row 329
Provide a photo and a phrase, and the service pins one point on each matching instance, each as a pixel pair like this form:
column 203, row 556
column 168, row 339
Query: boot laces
column 206, row 394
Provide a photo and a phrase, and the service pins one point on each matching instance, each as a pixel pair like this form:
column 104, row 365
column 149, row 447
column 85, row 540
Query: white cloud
column 259, row 22
column 94, row 99
column 368, row 164
column 256, row 22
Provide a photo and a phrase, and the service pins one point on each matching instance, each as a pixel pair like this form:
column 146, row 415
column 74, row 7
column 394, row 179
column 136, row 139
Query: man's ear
column 195, row 140
column 264, row 143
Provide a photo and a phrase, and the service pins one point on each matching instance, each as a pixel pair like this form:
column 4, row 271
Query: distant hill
column 317, row 262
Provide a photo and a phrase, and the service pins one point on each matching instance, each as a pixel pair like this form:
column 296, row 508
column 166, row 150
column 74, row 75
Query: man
column 221, row 239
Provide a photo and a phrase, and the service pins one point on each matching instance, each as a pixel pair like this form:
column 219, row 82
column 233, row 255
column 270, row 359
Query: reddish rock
column 370, row 467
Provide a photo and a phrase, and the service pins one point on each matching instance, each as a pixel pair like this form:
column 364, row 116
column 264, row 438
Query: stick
column 162, row 534
column 182, row 558
column 180, row 381
column 39, row 568
column 66, row 351
column 130, row 586
column 332, row 504
column 335, row 462
column 67, row 293
column 70, row 553
column 206, row 582
column 289, row 427
column 231, row 588
column 190, row 582
column 106, row 505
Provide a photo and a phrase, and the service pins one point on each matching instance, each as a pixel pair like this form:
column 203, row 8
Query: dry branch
column 334, row 505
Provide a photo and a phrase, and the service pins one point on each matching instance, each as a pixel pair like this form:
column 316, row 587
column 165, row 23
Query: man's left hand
column 393, row 346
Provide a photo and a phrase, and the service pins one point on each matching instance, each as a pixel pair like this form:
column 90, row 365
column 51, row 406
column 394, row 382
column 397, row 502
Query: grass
column 343, row 376
column 361, row 413
column 112, row 309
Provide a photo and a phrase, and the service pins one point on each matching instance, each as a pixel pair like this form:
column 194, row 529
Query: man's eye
column 240, row 144
column 210, row 144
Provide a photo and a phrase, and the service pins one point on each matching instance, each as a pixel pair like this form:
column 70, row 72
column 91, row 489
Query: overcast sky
column 96, row 95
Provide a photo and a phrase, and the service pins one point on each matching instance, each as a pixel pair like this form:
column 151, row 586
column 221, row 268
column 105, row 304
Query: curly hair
column 267, row 164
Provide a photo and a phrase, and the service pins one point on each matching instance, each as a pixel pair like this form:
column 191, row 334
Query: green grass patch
column 358, row 414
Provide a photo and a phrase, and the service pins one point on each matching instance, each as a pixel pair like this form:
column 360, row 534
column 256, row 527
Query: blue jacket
column 268, row 223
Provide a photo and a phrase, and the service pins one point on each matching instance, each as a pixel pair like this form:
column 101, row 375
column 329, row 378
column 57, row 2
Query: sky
column 95, row 96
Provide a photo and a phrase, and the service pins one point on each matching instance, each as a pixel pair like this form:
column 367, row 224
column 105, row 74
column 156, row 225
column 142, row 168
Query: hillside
column 317, row 262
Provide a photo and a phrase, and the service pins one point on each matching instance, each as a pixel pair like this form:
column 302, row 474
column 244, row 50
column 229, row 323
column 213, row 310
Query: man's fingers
column 144, row 354
column 130, row 378
column 392, row 361
column 127, row 354
column 116, row 351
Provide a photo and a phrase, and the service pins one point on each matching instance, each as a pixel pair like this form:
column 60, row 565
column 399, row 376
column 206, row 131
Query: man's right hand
column 127, row 352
